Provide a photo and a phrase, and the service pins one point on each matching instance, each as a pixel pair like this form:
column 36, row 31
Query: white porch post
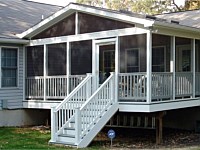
column 173, row 65
column 45, row 70
column 76, row 24
column 117, row 48
column 193, row 65
column 94, row 65
column 149, row 64
column 68, row 70
column 24, row 73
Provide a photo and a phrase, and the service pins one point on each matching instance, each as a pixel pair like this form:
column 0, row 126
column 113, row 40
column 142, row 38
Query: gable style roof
column 187, row 18
column 123, row 16
column 17, row 16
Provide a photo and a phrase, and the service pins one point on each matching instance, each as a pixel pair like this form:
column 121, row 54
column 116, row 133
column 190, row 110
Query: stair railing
column 64, row 112
column 94, row 107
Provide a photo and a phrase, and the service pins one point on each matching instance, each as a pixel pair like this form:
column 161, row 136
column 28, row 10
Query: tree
column 138, row 6
column 192, row 4
column 150, row 7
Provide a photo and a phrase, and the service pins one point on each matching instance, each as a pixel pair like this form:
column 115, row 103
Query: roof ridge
column 177, row 12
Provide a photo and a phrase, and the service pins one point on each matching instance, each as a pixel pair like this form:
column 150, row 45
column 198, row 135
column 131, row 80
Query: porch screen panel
column 133, row 53
column 183, row 54
column 57, row 59
column 35, row 61
column 62, row 28
column 81, row 57
column 90, row 23
column 161, row 52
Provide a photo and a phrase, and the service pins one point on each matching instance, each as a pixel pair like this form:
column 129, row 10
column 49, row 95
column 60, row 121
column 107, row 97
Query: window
column 132, row 58
column 8, row 67
column 158, row 59
column 109, row 61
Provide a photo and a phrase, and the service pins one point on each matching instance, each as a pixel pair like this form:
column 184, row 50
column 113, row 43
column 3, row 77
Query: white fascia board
column 176, row 30
column 161, row 106
column 74, row 8
column 39, row 104
column 13, row 41
column 89, row 36
column 113, row 15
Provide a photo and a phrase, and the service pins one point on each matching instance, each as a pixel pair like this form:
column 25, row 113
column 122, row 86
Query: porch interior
column 175, row 73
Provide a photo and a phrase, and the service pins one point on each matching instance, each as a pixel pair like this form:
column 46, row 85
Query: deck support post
column 149, row 64
column 173, row 65
column 159, row 127
column 45, row 70
column 193, row 65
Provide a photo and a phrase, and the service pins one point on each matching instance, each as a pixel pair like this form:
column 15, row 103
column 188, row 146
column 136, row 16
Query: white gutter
column 14, row 41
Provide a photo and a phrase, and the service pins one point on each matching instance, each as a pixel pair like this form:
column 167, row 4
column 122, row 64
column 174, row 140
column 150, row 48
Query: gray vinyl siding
column 14, row 96
column 0, row 105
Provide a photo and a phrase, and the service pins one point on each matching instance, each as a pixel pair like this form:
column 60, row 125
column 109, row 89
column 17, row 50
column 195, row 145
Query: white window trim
column 164, row 55
column 129, row 49
column 17, row 78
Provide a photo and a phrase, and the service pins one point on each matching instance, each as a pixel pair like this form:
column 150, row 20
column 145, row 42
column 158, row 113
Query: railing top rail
column 184, row 73
column 35, row 77
column 97, row 91
column 56, row 76
column 136, row 73
column 89, row 76
column 160, row 73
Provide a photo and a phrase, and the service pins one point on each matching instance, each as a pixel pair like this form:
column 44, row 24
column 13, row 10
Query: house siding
column 13, row 97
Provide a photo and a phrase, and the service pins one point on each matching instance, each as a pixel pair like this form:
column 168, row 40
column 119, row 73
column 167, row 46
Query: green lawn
column 28, row 138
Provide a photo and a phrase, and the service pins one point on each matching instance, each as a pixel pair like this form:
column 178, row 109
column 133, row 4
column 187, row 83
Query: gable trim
column 72, row 8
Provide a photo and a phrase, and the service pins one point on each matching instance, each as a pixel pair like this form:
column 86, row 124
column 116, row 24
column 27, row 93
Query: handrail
column 94, row 107
column 89, row 76
column 97, row 91
column 64, row 112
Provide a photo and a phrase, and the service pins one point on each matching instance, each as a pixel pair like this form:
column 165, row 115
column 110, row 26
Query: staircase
column 83, row 113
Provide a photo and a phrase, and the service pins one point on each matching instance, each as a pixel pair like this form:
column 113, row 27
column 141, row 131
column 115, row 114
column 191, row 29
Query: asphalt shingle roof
column 17, row 16
column 186, row 18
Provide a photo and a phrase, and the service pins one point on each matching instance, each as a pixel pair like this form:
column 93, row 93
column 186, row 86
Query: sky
column 65, row 2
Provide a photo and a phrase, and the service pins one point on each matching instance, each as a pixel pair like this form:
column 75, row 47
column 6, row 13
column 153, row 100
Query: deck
column 132, row 91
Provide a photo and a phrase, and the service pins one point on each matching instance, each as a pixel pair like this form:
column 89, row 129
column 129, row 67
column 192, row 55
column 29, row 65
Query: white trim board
column 40, row 104
column 154, row 107
column 89, row 36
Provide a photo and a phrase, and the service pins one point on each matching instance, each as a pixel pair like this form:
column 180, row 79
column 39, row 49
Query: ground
column 37, row 138
column 145, row 139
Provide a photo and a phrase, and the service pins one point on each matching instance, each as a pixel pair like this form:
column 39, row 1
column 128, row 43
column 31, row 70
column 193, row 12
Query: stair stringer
column 96, row 128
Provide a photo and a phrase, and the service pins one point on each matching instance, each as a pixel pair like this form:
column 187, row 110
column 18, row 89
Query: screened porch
column 54, row 70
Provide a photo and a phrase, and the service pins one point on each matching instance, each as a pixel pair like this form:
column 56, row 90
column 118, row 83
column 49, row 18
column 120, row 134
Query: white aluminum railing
column 132, row 86
column 184, row 82
column 94, row 107
column 35, row 87
column 56, row 86
column 161, row 85
column 61, row 115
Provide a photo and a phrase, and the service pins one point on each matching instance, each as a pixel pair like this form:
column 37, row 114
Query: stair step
column 66, row 138
column 64, row 143
column 69, row 130
column 67, row 135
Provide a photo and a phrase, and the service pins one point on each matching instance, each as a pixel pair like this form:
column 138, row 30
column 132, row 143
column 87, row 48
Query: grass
column 28, row 138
